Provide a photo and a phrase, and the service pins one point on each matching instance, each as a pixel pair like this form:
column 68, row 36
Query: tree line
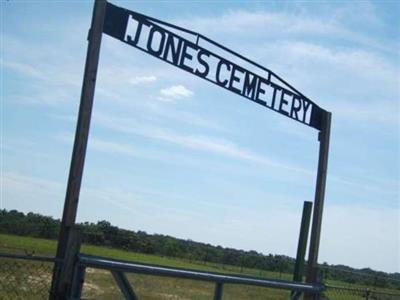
column 103, row 233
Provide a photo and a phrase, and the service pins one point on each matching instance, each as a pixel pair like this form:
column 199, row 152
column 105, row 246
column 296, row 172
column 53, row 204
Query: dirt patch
column 171, row 296
column 96, row 271
column 42, row 279
column 92, row 288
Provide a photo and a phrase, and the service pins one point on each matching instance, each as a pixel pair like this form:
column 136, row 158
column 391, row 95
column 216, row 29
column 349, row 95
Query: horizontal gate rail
column 28, row 257
column 131, row 267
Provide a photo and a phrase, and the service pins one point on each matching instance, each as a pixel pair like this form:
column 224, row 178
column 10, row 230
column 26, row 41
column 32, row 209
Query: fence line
column 29, row 257
column 335, row 292
column 29, row 277
column 359, row 273
column 25, row 276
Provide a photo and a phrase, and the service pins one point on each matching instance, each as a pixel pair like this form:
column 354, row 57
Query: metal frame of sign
column 261, row 86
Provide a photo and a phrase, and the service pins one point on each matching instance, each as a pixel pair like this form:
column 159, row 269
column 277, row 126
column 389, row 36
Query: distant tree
column 105, row 234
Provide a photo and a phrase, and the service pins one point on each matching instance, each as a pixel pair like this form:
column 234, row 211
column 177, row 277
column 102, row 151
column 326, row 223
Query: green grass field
column 12, row 243
column 99, row 284
column 33, row 279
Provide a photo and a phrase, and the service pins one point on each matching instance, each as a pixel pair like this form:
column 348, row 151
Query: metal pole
column 367, row 294
column 80, row 144
column 302, row 245
column 78, row 280
column 219, row 288
column 324, row 137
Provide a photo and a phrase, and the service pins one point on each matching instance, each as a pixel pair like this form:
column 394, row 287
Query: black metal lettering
column 217, row 75
column 186, row 55
column 171, row 47
column 137, row 33
column 234, row 79
column 306, row 105
column 295, row 108
column 274, row 97
column 250, row 85
column 155, row 52
column 145, row 33
column 261, row 91
column 203, row 63
column 282, row 103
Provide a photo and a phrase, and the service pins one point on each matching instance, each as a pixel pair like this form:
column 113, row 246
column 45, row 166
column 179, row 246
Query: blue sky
column 170, row 153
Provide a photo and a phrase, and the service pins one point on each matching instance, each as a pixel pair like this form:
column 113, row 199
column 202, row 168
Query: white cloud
column 129, row 150
column 254, row 23
column 283, row 25
column 143, row 79
column 47, row 79
column 367, row 185
column 23, row 68
column 383, row 111
column 208, row 144
column 116, row 148
column 172, row 113
column 48, row 198
column 176, row 92
column 344, row 74
column 226, row 148
column 354, row 84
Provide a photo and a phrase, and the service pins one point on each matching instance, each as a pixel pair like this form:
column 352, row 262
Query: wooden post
column 324, row 137
column 79, row 151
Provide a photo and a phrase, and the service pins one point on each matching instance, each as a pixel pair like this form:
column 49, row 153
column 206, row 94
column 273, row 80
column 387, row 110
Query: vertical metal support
column 367, row 294
column 302, row 245
column 324, row 138
column 219, row 289
column 68, row 267
column 77, row 281
column 124, row 285
column 80, row 144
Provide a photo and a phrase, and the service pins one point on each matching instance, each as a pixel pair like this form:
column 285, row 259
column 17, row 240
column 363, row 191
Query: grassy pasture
column 16, row 244
column 99, row 284
column 33, row 279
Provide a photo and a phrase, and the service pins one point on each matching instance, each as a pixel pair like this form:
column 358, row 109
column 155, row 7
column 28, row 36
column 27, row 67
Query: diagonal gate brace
column 124, row 285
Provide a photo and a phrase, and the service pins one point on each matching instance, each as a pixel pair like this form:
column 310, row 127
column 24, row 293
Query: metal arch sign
column 161, row 40
column 184, row 49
